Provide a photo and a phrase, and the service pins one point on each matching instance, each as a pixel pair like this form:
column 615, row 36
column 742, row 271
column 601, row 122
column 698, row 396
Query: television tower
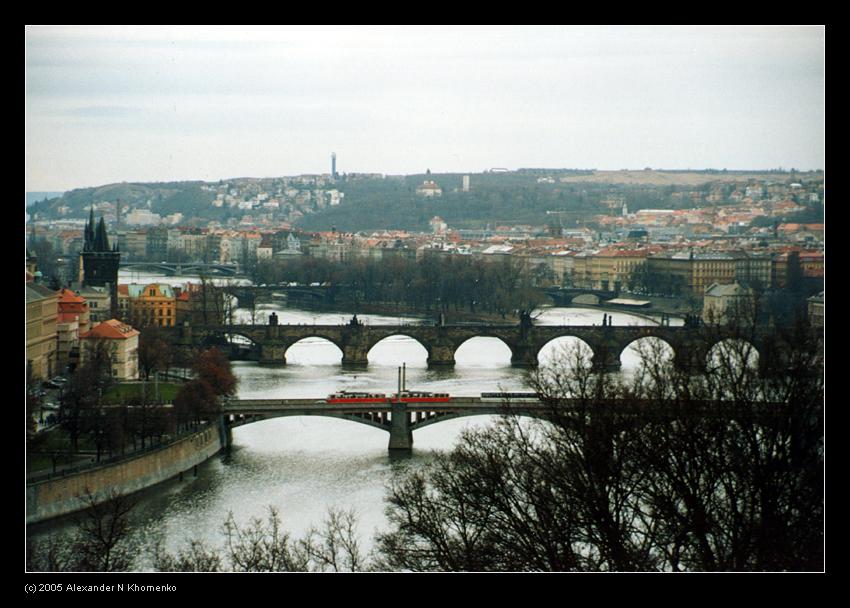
column 333, row 165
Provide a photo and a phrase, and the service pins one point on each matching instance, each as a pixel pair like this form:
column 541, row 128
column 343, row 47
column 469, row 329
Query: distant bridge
column 566, row 296
column 175, row 268
column 247, row 295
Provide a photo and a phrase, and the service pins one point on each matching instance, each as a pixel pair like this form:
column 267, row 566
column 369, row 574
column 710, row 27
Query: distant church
column 99, row 263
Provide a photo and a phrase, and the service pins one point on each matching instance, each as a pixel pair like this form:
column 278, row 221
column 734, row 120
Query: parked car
column 56, row 382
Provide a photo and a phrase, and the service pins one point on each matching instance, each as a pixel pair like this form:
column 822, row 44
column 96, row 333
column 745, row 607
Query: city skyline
column 151, row 104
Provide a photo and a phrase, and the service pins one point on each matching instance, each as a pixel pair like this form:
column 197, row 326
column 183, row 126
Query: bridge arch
column 315, row 349
column 408, row 349
column 564, row 345
column 374, row 422
column 732, row 354
column 645, row 349
column 223, row 335
column 496, row 350
column 586, row 299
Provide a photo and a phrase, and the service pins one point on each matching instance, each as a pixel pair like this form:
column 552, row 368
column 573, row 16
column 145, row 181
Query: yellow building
column 712, row 268
column 152, row 304
column 690, row 273
column 608, row 269
column 42, row 312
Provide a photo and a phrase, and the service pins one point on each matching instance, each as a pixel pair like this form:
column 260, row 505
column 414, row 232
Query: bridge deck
column 471, row 405
column 280, row 406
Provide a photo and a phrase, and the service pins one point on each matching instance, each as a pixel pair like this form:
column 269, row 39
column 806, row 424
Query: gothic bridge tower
column 100, row 263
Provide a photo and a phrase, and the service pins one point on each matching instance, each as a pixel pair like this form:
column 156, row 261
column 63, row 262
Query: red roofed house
column 123, row 342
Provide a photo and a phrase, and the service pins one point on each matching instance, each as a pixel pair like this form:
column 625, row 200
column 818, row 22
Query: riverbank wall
column 60, row 496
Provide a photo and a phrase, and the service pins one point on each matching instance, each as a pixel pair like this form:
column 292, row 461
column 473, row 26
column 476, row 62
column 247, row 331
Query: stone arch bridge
column 690, row 345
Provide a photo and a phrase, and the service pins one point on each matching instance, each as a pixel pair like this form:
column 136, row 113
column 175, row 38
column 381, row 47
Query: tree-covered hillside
column 493, row 199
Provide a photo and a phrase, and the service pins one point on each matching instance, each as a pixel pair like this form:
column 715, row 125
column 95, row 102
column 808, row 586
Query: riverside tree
column 214, row 379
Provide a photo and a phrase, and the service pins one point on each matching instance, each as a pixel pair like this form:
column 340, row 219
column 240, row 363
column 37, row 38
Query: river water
column 304, row 466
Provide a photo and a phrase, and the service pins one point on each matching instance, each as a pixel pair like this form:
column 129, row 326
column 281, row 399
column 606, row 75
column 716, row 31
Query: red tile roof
column 112, row 329
column 66, row 296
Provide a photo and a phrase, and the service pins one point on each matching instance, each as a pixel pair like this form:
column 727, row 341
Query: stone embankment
column 63, row 495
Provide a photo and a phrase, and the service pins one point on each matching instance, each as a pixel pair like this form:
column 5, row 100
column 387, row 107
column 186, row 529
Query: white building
column 142, row 217
column 438, row 226
column 429, row 188
column 721, row 301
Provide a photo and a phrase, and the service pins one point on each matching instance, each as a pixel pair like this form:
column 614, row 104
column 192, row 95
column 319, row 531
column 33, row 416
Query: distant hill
column 535, row 196
column 32, row 197
column 686, row 178
column 164, row 198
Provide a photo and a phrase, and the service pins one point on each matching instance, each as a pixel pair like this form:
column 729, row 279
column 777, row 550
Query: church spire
column 88, row 235
column 101, row 240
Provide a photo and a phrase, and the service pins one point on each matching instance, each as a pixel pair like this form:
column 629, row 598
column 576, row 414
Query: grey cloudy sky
column 107, row 104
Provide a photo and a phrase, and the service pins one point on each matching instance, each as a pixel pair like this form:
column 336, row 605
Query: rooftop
column 112, row 330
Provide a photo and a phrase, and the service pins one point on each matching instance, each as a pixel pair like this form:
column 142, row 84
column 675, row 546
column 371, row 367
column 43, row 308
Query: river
column 304, row 466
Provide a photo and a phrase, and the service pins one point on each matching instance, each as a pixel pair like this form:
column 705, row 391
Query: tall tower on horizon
column 99, row 261
column 333, row 165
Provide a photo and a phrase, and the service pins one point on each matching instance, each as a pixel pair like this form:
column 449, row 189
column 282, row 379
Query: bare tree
column 99, row 541
column 262, row 545
column 720, row 470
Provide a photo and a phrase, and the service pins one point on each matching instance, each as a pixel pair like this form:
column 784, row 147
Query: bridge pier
column 354, row 354
column 441, row 355
column 401, row 437
column 225, row 433
column 273, row 354
column 524, row 356
column 605, row 361
column 606, row 366
column 690, row 358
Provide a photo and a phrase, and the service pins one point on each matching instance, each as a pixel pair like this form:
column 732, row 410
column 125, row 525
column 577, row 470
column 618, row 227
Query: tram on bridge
column 403, row 397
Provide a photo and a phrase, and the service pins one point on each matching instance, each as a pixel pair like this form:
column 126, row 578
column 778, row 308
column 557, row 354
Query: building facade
column 724, row 302
column 608, row 269
column 42, row 312
column 73, row 319
column 151, row 304
column 816, row 310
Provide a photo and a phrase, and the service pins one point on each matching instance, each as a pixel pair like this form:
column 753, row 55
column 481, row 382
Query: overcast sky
column 109, row 104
